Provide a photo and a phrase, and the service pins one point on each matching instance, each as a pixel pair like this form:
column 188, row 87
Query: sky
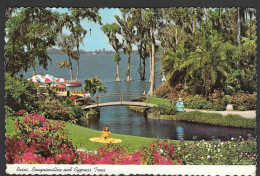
column 97, row 40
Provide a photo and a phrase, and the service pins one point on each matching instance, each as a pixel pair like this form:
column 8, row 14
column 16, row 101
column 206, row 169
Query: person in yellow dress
column 105, row 137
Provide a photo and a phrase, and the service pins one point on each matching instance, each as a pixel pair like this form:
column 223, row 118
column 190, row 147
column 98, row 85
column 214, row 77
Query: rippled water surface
column 119, row 118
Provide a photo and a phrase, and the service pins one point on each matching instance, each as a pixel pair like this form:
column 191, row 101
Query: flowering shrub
column 111, row 154
column 41, row 141
column 38, row 140
column 197, row 102
column 234, row 152
column 243, row 101
column 160, row 153
column 53, row 109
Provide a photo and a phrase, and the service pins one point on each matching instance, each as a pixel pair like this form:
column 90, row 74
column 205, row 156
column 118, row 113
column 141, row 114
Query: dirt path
column 246, row 114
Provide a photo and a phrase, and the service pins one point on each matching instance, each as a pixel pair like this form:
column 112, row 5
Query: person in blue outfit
column 179, row 106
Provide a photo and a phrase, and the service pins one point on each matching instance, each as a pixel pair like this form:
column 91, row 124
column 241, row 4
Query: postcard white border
column 40, row 169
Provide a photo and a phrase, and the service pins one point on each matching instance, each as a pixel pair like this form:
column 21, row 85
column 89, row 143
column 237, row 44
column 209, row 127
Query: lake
column 119, row 118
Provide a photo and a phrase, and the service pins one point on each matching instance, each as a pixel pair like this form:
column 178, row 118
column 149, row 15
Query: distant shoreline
column 83, row 52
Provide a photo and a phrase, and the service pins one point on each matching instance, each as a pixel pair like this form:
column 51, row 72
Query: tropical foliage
column 204, row 57
column 93, row 85
column 20, row 94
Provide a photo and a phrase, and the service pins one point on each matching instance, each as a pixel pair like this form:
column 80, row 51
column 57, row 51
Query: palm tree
column 66, row 44
column 93, row 85
column 111, row 30
column 127, row 31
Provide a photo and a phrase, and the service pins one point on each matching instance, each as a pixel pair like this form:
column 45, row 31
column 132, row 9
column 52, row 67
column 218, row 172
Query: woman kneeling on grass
column 105, row 137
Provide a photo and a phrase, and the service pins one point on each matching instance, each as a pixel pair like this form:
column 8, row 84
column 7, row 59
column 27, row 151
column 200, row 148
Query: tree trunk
column 150, row 61
column 152, row 86
column 78, row 54
column 176, row 34
column 117, row 72
column 140, row 59
column 128, row 78
column 71, row 74
column 193, row 27
column 34, row 70
column 238, row 27
column 143, row 69
column 77, row 70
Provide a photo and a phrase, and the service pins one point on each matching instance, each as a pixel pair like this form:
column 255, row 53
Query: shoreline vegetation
column 229, row 120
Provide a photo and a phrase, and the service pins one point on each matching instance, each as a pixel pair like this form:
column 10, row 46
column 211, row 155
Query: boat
column 73, row 84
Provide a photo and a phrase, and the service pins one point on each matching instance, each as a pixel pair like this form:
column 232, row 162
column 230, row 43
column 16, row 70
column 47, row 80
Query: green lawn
column 157, row 101
column 80, row 136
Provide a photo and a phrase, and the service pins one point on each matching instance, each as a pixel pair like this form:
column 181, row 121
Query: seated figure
column 105, row 137
column 179, row 106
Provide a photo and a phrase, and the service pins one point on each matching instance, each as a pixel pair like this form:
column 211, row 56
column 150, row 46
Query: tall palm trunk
column 117, row 72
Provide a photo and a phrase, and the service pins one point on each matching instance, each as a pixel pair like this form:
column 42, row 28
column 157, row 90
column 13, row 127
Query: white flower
column 215, row 146
column 234, row 145
column 161, row 150
column 218, row 150
column 208, row 156
column 208, row 150
column 232, row 138
column 179, row 148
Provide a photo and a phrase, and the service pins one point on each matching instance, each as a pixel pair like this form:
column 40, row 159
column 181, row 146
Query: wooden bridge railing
column 121, row 95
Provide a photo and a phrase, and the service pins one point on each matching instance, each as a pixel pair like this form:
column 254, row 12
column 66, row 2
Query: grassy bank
column 80, row 136
column 158, row 101
column 216, row 119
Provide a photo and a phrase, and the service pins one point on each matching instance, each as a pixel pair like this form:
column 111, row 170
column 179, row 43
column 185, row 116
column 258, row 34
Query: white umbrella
column 61, row 79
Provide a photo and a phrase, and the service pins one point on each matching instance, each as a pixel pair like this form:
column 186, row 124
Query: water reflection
column 135, row 124
column 180, row 132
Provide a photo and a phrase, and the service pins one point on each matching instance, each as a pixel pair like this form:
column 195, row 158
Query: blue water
column 119, row 118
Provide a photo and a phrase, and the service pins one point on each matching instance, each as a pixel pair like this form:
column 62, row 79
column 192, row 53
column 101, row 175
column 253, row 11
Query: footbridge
column 118, row 99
